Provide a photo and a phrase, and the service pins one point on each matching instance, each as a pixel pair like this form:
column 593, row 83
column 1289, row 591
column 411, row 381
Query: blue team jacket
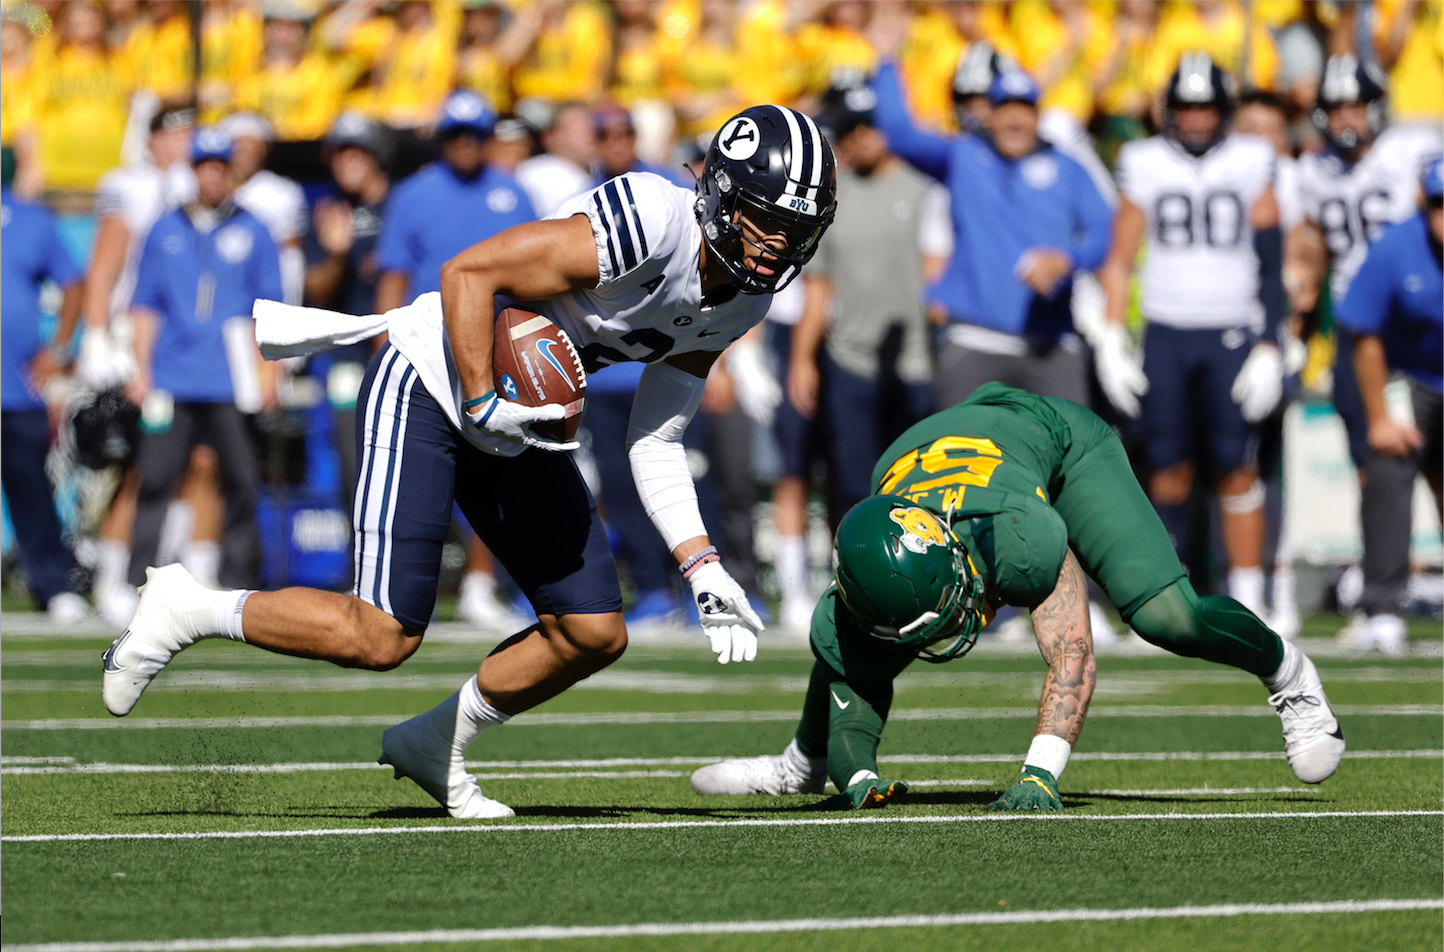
column 1001, row 208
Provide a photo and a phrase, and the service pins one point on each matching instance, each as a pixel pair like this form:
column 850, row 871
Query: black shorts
column 1189, row 399
column 533, row 511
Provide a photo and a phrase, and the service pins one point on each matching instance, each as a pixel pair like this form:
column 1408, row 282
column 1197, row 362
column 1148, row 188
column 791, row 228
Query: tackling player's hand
column 1260, row 382
column 1035, row 790
column 872, row 793
column 512, row 421
column 726, row 618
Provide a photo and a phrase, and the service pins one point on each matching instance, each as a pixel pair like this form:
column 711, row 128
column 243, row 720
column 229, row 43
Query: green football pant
column 843, row 721
column 1120, row 542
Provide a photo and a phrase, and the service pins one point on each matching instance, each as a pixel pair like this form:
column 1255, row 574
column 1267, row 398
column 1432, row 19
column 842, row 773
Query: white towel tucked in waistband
column 284, row 330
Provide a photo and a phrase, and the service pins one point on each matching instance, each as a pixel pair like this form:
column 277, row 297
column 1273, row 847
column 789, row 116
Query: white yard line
column 850, row 820
column 22, row 766
column 698, row 717
column 754, row 927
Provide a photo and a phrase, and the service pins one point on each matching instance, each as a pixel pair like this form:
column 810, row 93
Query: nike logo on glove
column 840, row 705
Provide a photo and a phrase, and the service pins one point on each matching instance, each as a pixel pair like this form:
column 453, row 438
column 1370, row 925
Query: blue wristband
column 478, row 401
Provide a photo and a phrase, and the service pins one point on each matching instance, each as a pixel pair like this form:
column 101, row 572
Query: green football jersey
column 989, row 465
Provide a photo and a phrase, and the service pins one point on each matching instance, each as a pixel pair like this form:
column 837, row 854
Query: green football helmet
column 907, row 579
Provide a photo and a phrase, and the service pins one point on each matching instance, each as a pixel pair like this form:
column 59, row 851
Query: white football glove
column 1120, row 371
column 101, row 364
column 512, row 422
column 726, row 617
column 1260, row 383
column 758, row 392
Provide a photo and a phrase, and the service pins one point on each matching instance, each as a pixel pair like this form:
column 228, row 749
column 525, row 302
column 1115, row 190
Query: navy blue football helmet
column 772, row 165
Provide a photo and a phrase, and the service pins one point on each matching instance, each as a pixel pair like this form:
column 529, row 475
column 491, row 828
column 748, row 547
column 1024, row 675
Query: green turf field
column 240, row 806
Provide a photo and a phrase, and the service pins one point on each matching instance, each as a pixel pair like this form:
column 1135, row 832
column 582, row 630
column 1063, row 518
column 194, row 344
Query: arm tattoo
column 1066, row 642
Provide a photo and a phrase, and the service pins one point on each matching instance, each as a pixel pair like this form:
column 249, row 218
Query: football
column 534, row 362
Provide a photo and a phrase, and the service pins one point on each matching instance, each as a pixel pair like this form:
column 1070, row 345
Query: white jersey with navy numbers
column 1200, row 268
column 647, row 304
column 1353, row 204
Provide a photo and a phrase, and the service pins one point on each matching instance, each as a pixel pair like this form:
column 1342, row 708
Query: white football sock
column 478, row 585
column 202, row 558
column 473, row 716
column 175, row 532
column 1283, row 597
column 1246, row 587
column 111, row 568
column 229, row 607
column 791, row 564
column 1288, row 669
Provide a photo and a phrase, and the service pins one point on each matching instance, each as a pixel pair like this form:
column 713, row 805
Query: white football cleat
column 792, row 772
column 174, row 612
column 419, row 749
column 1386, row 634
column 67, row 609
column 1313, row 739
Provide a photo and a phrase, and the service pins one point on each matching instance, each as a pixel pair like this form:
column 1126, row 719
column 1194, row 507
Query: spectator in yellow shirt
column 479, row 66
column 81, row 96
column 834, row 44
column 409, row 59
column 700, row 77
column 638, row 54
column 231, row 44
column 1062, row 43
column 1215, row 27
column 566, row 47
column 160, row 52
column 298, row 89
column 1409, row 36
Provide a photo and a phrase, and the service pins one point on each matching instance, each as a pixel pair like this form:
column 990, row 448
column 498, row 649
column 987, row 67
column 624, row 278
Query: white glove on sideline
column 1260, row 383
column 511, row 421
column 101, row 364
column 1120, row 371
column 757, row 390
column 726, row 618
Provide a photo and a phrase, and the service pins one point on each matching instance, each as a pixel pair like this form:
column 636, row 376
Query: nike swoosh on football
column 840, row 706
column 705, row 333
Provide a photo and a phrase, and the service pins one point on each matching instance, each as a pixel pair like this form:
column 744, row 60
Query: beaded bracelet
column 697, row 559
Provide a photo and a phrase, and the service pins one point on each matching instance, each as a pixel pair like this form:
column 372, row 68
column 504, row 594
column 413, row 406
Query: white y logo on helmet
column 739, row 139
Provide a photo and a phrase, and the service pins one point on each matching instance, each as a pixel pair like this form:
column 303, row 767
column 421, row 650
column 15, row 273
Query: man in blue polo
column 1395, row 310
column 446, row 207
column 1025, row 218
column 203, row 266
column 33, row 256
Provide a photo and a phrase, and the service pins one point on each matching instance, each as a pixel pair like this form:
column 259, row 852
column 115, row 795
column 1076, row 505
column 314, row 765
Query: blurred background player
column 1364, row 179
column 1395, row 311
column 203, row 266
column 276, row 201
column 564, row 168
column 34, row 255
column 342, row 266
column 129, row 200
column 1212, row 294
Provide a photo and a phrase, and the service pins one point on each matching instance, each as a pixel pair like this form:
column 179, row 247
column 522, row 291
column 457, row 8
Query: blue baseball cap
column 1433, row 178
column 466, row 111
column 1012, row 85
column 210, row 143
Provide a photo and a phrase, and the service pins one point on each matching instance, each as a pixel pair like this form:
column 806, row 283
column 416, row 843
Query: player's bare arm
column 1306, row 258
column 530, row 262
column 1066, row 643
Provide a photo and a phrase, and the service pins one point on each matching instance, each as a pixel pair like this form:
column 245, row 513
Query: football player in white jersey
column 1365, row 180
column 1212, row 296
column 636, row 269
column 128, row 201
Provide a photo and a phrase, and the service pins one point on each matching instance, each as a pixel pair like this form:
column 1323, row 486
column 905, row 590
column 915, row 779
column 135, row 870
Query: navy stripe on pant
column 533, row 511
